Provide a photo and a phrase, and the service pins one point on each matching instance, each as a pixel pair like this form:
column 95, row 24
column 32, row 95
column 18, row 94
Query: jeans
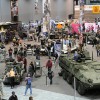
column 12, row 82
column 10, row 55
column 49, row 54
column 30, row 87
column 98, row 53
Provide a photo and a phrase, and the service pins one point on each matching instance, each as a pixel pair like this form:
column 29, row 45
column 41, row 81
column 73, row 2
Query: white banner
column 86, row 7
column 45, row 3
column 90, row 26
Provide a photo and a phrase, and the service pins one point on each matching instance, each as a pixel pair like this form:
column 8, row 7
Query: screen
column 94, row 1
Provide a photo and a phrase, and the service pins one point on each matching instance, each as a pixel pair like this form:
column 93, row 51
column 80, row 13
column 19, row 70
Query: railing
column 44, row 74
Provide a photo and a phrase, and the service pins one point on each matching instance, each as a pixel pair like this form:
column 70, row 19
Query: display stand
column 37, row 68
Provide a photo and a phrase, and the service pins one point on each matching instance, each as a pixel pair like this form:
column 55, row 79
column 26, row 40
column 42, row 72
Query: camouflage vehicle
column 7, row 59
column 19, row 71
column 91, row 38
column 86, row 72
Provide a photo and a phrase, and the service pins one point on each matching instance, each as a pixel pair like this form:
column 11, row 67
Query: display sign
column 86, row 7
column 96, row 9
column 57, row 48
column 89, row 27
column 94, row 1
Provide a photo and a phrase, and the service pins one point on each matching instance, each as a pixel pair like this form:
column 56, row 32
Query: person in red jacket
column 49, row 65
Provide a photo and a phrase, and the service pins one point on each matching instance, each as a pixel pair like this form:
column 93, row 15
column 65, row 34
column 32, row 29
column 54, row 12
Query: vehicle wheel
column 18, row 83
column 69, row 78
column 21, row 78
column 64, row 75
column 4, row 83
column 80, row 88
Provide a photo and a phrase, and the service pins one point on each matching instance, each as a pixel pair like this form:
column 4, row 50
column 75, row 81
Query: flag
column 75, row 28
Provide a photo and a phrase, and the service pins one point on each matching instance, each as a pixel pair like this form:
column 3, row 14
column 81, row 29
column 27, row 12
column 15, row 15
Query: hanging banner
column 46, row 4
column 89, row 27
column 14, row 10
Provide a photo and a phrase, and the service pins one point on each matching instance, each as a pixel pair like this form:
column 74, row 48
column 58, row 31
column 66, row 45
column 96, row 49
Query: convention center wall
column 26, row 10
column 5, row 13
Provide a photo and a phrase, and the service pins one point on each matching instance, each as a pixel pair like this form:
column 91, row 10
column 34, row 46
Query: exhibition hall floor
column 37, row 94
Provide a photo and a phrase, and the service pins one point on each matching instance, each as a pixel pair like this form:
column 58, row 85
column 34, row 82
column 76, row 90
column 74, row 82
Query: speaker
column 15, row 18
column 70, row 16
column 52, row 36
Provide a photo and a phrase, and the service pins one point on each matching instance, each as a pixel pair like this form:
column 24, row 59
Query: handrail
column 44, row 74
column 43, row 71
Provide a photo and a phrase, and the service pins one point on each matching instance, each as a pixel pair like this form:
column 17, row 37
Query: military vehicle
column 85, row 72
column 91, row 38
column 19, row 71
column 2, row 54
column 7, row 59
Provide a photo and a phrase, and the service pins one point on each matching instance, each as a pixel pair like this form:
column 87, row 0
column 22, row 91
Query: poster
column 57, row 48
column 96, row 9
column 14, row 10
column 94, row 1
column 89, row 27
column 46, row 6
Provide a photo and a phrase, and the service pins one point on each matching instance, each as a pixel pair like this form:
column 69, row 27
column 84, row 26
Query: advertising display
column 94, row 1
column 96, row 9
column 90, row 27
column 57, row 48
column 99, row 24
column 14, row 10
column 46, row 7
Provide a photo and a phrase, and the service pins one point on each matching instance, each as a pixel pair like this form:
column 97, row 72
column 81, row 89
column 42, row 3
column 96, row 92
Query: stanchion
column 92, row 55
column 74, row 88
column 46, row 80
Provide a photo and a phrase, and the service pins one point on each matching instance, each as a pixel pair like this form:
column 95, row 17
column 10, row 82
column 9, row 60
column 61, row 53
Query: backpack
column 50, row 74
column 29, row 81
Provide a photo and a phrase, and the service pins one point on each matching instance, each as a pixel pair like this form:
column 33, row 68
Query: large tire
column 18, row 83
column 69, row 78
column 64, row 75
column 73, row 82
column 5, row 83
column 80, row 88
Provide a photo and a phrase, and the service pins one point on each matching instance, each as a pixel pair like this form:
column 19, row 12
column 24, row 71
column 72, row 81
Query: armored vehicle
column 85, row 72
column 7, row 59
column 19, row 71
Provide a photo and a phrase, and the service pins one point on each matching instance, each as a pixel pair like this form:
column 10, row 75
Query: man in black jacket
column 13, row 96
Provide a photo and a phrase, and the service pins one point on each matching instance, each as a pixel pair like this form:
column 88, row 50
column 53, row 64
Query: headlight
column 90, row 80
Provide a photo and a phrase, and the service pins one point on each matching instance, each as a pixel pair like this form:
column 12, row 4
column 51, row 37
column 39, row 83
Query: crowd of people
column 19, row 51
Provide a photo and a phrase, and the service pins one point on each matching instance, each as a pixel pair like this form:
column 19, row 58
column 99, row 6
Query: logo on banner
column 59, row 26
column 96, row 9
